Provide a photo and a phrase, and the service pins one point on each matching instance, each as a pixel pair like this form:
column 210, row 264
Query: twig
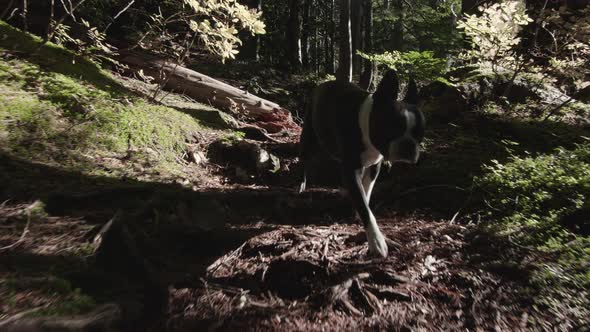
column 119, row 14
column 96, row 242
column 223, row 260
column 535, row 38
column 452, row 221
column 12, row 13
column 5, row 11
column 557, row 108
column 326, row 245
column 61, row 20
column 18, row 316
column 22, row 236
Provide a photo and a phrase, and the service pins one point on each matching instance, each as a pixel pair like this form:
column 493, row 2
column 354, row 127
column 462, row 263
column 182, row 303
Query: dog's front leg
column 370, row 175
column 353, row 182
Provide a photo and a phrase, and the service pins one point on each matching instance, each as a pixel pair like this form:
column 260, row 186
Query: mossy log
column 261, row 112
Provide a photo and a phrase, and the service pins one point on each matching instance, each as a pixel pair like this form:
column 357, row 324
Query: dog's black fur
column 359, row 130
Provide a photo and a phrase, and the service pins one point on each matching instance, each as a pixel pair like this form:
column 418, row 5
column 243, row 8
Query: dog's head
column 396, row 126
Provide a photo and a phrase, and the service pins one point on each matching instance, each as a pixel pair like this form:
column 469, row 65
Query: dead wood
column 263, row 113
column 21, row 239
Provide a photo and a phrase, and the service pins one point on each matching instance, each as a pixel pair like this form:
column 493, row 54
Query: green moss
column 53, row 57
column 59, row 109
column 63, row 298
column 73, row 303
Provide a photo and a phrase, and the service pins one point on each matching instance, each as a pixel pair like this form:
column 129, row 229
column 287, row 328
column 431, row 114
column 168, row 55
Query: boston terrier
column 360, row 130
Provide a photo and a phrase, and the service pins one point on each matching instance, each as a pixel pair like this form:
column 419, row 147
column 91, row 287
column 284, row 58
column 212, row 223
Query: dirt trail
column 320, row 278
column 242, row 257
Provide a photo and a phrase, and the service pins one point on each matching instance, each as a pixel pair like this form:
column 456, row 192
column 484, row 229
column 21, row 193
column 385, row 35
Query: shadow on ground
column 256, row 241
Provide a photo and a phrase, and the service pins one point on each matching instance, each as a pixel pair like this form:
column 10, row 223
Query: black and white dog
column 359, row 130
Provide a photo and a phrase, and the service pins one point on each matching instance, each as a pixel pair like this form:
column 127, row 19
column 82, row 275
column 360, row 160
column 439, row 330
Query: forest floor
column 212, row 249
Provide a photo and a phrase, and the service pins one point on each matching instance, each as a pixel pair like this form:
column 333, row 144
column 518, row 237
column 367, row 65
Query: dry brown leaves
column 321, row 278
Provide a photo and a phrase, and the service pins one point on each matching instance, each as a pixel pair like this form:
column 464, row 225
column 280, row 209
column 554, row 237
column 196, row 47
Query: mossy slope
column 63, row 110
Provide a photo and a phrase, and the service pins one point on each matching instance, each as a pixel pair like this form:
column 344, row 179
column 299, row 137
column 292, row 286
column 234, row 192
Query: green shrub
column 530, row 202
column 423, row 65
column 529, row 198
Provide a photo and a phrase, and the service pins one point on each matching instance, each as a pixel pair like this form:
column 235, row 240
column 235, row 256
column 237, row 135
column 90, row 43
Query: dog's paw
column 377, row 243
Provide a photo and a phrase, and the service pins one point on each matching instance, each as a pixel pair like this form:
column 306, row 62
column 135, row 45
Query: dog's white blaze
column 370, row 156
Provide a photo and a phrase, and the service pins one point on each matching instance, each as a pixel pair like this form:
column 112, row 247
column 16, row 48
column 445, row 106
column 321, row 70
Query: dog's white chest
column 370, row 155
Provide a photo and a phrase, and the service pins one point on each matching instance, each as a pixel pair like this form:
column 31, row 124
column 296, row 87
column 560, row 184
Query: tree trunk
column 316, row 40
column 356, row 16
column 327, row 15
column 397, row 37
column 204, row 89
column 344, row 72
column 250, row 49
column 331, row 65
column 366, row 80
column 294, row 35
column 305, row 33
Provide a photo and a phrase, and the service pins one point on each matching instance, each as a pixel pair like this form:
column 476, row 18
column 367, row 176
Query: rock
column 583, row 94
column 443, row 101
column 523, row 89
column 248, row 157
column 472, row 87
column 481, row 85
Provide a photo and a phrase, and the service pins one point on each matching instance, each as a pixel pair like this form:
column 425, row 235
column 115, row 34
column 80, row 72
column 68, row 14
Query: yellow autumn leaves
column 217, row 23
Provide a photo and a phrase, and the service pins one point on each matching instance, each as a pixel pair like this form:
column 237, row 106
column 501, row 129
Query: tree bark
column 397, row 37
column 250, row 49
column 366, row 80
column 204, row 89
column 331, row 64
column 305, row 33
column 316, row 40
column 294, row 35
column 356, row 18
column 344, row 72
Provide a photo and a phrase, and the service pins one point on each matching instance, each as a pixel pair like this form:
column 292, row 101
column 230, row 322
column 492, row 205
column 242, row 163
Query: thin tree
column 366, row 79
column 397, row 36
column 294, row 35
column 305, row 34
column 331, row 31
column 356, row 27
column 250, row 49
column 344, row 72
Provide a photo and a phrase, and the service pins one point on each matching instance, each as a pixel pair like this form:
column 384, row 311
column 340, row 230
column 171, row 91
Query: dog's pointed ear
column 412, row 94
column 388, row 88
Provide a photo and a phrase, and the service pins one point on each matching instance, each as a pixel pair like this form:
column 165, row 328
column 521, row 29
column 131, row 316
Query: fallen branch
column 25, row 230
column 557, row 108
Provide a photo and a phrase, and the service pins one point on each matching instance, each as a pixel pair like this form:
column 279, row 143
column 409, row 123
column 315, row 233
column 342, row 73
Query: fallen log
column 261, row 112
